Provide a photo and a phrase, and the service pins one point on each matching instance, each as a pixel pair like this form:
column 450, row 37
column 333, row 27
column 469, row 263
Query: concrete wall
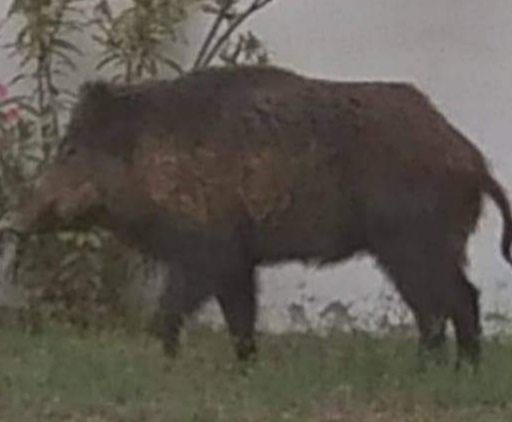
column 458, row 51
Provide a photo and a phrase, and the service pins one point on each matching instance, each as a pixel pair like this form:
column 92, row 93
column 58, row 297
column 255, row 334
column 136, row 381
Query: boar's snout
column 57, row 203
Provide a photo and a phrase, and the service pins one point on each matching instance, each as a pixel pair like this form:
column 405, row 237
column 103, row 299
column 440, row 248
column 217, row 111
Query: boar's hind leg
column 237, row 299
column 465, row 313
column 430, row 281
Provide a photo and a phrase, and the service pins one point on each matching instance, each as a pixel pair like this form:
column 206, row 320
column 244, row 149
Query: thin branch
column 221, row 41
column 212, row 33
column 233, row 57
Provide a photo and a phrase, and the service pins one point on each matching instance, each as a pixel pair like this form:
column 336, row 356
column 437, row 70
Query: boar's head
column 67, row 195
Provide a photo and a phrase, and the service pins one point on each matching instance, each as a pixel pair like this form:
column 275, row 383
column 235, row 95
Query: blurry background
column 459, row 52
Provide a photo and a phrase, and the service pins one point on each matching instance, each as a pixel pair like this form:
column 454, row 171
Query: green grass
column 59, row 375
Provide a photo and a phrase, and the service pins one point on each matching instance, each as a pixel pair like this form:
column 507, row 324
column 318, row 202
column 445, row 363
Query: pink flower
column 13, row 115
column 3, row 91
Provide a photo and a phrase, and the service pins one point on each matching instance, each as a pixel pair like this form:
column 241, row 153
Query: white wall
column 458, row 51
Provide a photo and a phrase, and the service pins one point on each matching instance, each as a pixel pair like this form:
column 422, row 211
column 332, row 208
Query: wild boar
column 226, row 169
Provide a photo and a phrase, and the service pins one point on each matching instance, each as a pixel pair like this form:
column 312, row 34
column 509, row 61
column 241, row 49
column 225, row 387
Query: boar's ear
column 98, row 92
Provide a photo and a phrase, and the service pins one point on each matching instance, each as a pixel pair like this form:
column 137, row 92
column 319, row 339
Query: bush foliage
column 80, row 277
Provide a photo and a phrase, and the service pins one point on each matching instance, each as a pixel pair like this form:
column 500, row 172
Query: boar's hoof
column 469, row 355
column 245, row 350
column 171, row 348
column 167, row 330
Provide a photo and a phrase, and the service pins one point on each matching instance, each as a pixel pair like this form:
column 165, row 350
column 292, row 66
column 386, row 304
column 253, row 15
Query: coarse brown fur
column 225, row 169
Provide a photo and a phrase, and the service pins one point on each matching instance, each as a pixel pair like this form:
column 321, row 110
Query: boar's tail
column 497, row 194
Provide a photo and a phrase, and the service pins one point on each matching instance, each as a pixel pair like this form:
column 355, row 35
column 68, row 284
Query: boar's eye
column 68, row 150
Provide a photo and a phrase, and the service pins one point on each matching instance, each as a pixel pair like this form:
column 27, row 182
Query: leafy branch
column 44, row 53
column 134, row 38
column 227, row 21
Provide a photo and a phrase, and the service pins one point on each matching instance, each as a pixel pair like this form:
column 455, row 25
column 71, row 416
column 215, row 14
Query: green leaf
column 72, row 94
column 65, row 45
column 108, row 59
column 102, row 41
column 70, row 259
column 174, row 65
column 25, row 61
column 66, row 60
column 17, row 100
column 23, row 105
column 18, row 78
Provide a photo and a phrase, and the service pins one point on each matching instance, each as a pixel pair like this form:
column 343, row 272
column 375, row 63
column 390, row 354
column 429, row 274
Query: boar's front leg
column 182, row 295
column 188, row 287
column 237, row 299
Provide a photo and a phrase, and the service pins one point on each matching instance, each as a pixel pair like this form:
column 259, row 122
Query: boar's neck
column 158, row 234
column 140, row 225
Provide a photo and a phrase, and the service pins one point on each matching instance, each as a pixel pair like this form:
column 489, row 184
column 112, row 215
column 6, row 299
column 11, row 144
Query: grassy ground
column 59, row 375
